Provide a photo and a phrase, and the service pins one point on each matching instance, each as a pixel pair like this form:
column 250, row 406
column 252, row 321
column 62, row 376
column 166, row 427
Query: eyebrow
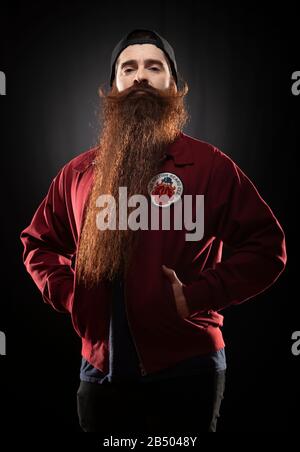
column 148, row 62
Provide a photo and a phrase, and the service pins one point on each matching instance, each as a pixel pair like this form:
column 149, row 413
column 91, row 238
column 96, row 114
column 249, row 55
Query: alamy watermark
column 2, row 343
column 138, row 218
column 296, row 344
column 295, row 88
column 2, row 93
column 2, row 84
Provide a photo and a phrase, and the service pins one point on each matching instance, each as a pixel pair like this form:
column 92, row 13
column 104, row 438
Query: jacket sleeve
column 244, row 222
column 49, row 246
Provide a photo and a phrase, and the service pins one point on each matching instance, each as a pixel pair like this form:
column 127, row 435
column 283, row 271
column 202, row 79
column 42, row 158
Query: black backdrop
column 238, row 63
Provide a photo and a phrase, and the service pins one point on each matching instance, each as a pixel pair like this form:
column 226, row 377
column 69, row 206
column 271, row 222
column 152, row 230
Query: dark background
column 238, row 62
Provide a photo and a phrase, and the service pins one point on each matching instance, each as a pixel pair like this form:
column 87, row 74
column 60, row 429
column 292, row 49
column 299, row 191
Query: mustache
column 128, row 93
column 145, row 88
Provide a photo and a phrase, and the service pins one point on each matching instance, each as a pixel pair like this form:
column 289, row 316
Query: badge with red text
column 165, row 189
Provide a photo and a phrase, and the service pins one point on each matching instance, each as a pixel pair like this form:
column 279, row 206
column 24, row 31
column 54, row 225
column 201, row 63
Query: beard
column 137, row 126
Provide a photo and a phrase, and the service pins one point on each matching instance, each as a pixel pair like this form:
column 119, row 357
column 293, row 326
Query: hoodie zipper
column 143, row 372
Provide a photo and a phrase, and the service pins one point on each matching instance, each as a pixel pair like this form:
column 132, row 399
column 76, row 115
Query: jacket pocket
column 169, row 295
column 76, row 314
column 58, row 290
column 171, row 299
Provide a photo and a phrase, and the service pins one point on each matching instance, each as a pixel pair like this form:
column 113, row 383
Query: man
column 145, row 300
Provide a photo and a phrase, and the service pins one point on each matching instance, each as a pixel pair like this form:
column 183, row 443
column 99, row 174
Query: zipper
column 143, row 372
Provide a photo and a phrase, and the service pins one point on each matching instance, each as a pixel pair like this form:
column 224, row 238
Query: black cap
column 141, row 36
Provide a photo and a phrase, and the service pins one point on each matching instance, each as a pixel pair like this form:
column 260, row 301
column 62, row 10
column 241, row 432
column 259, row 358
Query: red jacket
column 234, row 214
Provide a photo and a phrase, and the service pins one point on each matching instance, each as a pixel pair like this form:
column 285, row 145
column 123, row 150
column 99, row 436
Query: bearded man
column 145, row 300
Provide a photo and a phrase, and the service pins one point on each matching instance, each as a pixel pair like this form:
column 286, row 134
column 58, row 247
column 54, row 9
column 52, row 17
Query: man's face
column 142, row 62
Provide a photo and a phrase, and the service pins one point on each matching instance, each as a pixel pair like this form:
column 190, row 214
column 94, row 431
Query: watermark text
column 2, row 343
column 2, row 84
column 185, row 215
column 295, row 88
column 296, row 344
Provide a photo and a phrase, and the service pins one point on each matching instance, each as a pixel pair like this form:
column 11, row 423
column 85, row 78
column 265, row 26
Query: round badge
column 165, row 189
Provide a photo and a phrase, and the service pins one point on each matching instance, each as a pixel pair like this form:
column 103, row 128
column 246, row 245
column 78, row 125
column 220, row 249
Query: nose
column 140, row 75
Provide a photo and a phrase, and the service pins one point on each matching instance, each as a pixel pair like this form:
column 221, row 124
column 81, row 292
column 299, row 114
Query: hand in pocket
column 180, row 300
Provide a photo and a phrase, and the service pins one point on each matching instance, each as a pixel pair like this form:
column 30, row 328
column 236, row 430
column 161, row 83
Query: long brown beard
column 136, row 130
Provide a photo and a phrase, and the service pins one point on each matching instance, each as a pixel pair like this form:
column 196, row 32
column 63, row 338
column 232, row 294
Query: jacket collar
column 87, row 160
column 180, row 152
